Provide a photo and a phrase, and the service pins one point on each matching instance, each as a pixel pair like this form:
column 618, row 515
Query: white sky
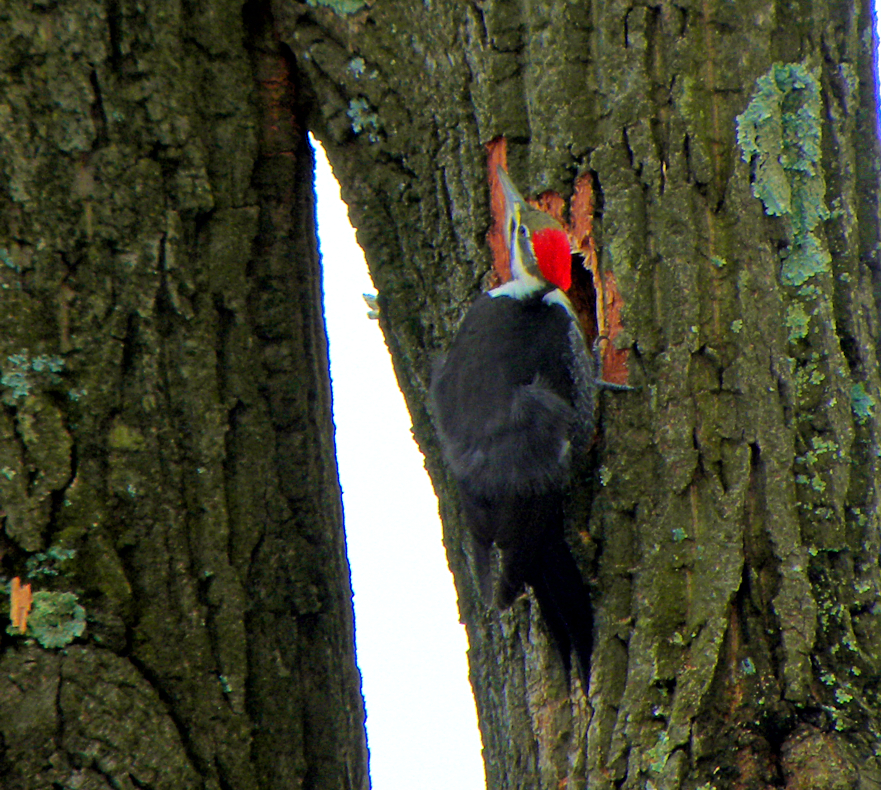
column 421, row 721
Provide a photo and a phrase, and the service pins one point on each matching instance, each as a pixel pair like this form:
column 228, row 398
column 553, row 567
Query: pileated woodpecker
column 514, row 400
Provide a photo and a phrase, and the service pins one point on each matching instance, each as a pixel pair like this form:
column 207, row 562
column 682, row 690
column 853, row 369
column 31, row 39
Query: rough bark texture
column 731, row 530
column 166, row 448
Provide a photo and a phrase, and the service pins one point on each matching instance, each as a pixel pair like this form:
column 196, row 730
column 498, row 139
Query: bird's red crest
column 554, row 256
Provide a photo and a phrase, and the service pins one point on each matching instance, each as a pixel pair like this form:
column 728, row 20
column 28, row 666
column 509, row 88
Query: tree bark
column 166, row 452
column 166, row 447
column 728, row 521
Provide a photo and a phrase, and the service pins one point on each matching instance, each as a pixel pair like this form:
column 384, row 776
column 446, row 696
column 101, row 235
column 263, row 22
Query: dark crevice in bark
column 98, row 113
column 130, row 350
column 761, row 563
column 226, row 320
column 171, row 709
column 114, row 20
column 58, row 496
column 59, row 710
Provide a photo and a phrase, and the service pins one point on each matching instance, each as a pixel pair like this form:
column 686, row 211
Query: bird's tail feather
column 528, row 531
column 565, row 605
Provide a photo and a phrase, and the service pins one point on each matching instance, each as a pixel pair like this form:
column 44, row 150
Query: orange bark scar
column 497, row 156
column 608, row 298
column 20, row 604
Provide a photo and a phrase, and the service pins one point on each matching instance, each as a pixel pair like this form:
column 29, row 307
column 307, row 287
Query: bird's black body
column 513, row 400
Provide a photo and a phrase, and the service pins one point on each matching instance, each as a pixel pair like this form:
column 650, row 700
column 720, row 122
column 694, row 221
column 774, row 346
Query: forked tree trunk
column 730, row 529
column 165, row 408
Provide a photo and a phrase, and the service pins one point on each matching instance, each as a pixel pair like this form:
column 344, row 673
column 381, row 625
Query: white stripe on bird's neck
column 529, row 286
column 519, row 288
column 558, row 297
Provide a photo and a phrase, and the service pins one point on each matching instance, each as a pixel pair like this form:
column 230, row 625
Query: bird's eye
column 524, row 231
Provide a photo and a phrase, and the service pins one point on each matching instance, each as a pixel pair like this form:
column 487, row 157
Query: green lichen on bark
column 343, row 7
column 48, row 563
column 780, row 135
column 862, row 403
column 56, row 619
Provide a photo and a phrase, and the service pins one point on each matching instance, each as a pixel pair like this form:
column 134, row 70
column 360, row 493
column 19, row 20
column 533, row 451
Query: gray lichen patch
column 862, row 404
column 364, row 118
column 56, row 618
column 21, row 374
column 780, row 135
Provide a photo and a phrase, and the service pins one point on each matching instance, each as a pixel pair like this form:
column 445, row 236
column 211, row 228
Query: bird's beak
column 514, row 203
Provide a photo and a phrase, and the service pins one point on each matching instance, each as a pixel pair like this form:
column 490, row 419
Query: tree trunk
column 728, row 523
column 167, row 469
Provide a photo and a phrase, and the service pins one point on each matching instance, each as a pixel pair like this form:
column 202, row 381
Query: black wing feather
column 505, row 414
